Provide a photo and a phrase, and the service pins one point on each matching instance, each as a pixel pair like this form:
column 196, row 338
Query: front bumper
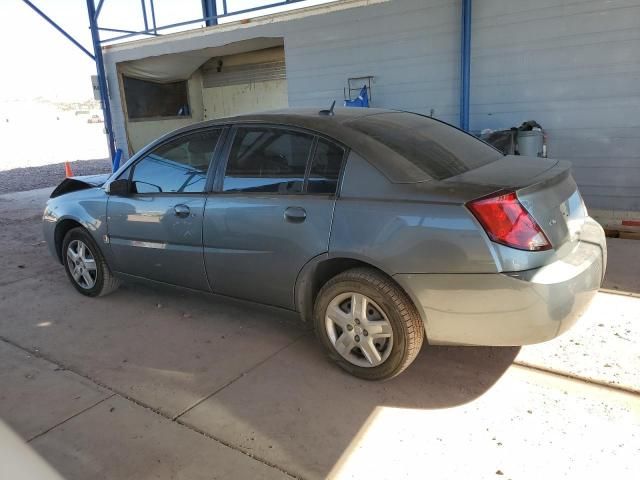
column 511, row 308
column 49, row 222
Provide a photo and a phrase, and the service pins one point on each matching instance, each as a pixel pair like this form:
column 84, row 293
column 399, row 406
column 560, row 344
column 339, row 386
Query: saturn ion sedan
column 383, row 229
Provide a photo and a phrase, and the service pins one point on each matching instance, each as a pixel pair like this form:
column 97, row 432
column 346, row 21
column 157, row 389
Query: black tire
column 105, row 281
column 406, row 324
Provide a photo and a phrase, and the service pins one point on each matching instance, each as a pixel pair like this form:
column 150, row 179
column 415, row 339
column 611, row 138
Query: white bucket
column 531, row 143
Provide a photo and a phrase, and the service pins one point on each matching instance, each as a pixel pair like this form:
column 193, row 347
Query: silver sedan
column 383, row 229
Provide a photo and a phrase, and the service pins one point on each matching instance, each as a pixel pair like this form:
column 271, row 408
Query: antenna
column 328, row 112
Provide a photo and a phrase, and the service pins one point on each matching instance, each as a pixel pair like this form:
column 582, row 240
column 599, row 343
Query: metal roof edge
column 266, row 19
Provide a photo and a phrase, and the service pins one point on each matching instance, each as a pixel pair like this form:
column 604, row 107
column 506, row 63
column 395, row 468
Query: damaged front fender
column 73, row 184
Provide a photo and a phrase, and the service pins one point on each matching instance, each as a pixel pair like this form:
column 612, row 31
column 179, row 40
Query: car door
column 271, row 211
column 155, row 232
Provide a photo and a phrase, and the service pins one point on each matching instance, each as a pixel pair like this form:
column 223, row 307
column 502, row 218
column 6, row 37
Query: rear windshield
column 435, row 148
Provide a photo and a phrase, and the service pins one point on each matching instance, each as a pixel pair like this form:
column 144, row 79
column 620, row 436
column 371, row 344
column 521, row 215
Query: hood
column 73, row 184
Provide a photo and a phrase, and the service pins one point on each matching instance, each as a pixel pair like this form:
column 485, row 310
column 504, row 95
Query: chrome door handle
column 295, row 214
column 181, row 211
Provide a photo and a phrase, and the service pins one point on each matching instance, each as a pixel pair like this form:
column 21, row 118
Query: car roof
column 337, row 127
column 312, row 114
column 305, row 115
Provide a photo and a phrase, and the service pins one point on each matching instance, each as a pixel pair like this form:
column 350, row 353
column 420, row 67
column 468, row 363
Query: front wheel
column 85, row 266
column 368, row 324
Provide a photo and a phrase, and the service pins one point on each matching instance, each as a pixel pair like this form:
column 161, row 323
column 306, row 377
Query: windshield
column 435, row 148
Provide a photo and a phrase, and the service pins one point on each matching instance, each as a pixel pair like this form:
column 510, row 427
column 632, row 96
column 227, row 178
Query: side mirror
column 120, row 187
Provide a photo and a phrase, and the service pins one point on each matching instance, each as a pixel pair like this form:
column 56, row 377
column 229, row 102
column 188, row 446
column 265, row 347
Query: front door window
column 179, row 166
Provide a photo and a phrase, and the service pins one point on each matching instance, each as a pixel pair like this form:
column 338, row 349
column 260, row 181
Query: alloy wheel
column 82, row 264
column 358, row 329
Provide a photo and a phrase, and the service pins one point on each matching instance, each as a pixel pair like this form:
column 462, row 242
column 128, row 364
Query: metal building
column 572, row 66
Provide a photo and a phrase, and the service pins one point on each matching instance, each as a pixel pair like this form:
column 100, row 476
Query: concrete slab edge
column 588, row 380
column 238, row 377
column 70, row 417
column 619, row 292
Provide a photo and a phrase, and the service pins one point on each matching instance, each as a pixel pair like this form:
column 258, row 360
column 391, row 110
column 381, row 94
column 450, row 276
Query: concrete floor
column 153, row 382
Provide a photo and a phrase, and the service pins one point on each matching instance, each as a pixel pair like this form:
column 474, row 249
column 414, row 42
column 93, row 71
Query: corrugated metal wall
column 572, row 65
column 410, row 47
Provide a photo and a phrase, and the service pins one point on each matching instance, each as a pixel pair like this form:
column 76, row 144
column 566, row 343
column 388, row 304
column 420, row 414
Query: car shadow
column 250, row 376
column 300, row 411
column 300, row 407
column 297, row 409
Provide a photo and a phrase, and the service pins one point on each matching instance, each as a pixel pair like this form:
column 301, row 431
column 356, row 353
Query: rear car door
column 271, row 211
column 156, row 231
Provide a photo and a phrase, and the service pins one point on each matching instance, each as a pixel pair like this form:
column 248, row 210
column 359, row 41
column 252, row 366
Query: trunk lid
column 510, row 171
column 556, row 205
column 543, row 186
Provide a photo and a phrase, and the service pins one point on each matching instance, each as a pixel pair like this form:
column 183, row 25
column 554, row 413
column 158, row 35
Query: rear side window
column 178, row 166
column 325, row 168
column 269, row 160
column 435, row 148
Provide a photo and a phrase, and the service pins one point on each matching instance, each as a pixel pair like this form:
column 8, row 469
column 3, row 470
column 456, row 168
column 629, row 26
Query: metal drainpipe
column 102, row 78
column 465, row 65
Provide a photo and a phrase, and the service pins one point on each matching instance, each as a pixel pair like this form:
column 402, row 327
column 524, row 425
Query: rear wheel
column 85, row 265
column 368, row 324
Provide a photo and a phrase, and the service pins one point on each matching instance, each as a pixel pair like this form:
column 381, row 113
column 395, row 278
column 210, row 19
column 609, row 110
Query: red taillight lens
column 507, row 222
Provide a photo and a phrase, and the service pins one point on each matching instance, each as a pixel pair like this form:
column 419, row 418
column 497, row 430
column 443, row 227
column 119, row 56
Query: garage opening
column 244, row 83
column 151, row 100
column 166, row 92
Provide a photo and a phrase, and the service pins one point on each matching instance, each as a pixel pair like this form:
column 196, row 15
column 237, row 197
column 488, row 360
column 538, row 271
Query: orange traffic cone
column 67, row 170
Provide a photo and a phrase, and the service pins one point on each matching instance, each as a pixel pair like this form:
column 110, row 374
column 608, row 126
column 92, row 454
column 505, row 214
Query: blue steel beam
column 465, row 65
column 210, row 18
column 102, row 78
column 153, row 17
column 59, row 28
column 144, row 14
column 119, row 30
column 98, row 9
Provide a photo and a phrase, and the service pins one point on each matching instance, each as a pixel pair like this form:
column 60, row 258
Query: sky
column 37, row 61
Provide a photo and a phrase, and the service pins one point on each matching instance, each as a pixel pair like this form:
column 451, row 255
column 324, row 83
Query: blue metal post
column 115, row 163
column 102, row 78
column 210, row 9
column 465, row 65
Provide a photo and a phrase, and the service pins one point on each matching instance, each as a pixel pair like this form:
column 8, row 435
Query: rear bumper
column 511, row 309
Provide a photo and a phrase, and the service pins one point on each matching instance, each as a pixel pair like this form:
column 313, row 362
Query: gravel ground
column 29, row 178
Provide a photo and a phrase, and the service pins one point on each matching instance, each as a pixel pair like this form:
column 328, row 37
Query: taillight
column 507, row 222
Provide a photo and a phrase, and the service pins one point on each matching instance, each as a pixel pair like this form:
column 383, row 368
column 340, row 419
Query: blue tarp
column 361, row 101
